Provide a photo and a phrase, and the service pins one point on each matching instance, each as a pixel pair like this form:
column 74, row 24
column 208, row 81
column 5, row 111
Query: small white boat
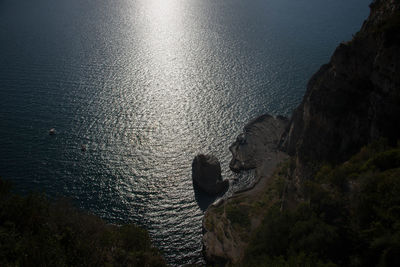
column 52, row 131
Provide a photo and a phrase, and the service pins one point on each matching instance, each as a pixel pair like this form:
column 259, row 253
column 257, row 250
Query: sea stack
column 206, row 174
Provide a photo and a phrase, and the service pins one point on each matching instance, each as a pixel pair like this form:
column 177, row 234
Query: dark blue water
column 146, row 85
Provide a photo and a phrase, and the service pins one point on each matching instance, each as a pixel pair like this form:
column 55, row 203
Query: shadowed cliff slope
column 355, row 98
column 36, row 231
column 319, row 208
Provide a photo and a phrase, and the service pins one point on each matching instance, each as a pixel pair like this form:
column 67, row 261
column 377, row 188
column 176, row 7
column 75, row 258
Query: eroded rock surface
column 256, row 147
column 206, row 174
column 355, row 98
column 351, row 101
column 257, row 143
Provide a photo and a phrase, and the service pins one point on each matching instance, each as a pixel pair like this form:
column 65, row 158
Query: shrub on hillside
column 36, row 232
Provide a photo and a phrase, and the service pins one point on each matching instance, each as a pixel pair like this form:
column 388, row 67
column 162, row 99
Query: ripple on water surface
column 145, row 85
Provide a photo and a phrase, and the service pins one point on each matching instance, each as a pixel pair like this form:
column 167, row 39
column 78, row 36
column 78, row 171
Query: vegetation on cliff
column 37, row 232
column 331, row 204
column 349, row 216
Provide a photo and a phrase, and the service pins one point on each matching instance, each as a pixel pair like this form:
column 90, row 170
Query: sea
column 144, row 86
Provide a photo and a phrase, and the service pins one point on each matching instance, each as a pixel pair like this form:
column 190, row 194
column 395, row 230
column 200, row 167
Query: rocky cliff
column 353, row 99
column 350, row 102
column 226, row 224
column 258, row 143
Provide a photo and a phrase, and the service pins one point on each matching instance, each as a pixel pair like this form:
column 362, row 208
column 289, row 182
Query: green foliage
column 385, row 160
column 351, row 217
column 35, row 232
column 272, row 237
column 238, row 215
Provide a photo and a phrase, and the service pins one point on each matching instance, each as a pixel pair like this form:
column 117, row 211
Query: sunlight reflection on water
column 146, row 85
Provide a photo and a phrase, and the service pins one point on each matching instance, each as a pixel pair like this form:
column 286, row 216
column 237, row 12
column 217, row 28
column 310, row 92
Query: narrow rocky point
column 257, row 143
column 350, row 102
column 255, row 148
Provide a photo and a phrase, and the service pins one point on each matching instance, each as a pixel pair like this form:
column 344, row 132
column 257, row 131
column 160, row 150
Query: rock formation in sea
column 350, row 102
column 206, row 174
column 255, row 148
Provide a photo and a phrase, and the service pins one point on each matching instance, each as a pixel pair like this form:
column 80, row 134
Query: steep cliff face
column 353, row 99
column 350, row 102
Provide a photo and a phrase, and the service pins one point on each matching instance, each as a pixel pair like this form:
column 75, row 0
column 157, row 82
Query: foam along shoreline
column 255, row 148
column 258, row 143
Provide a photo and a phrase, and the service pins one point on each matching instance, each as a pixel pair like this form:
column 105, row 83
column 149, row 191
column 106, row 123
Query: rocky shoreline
column 257, row 143
column 255, row 148
column 350, row 102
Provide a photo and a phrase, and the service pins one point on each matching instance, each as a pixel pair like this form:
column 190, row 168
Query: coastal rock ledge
column 349, row 103
column 258, row 142
column 255, row 148
column 206, row 174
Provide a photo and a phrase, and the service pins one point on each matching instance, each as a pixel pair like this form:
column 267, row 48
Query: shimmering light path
column 146, row 85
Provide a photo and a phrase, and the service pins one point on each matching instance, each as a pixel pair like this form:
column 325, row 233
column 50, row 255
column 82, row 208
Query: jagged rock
column 355, row 98
column 255, row 148
column 349, row 102
column 220, row 247
column 224, row 243
column 257, row 143
column 206, row 174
